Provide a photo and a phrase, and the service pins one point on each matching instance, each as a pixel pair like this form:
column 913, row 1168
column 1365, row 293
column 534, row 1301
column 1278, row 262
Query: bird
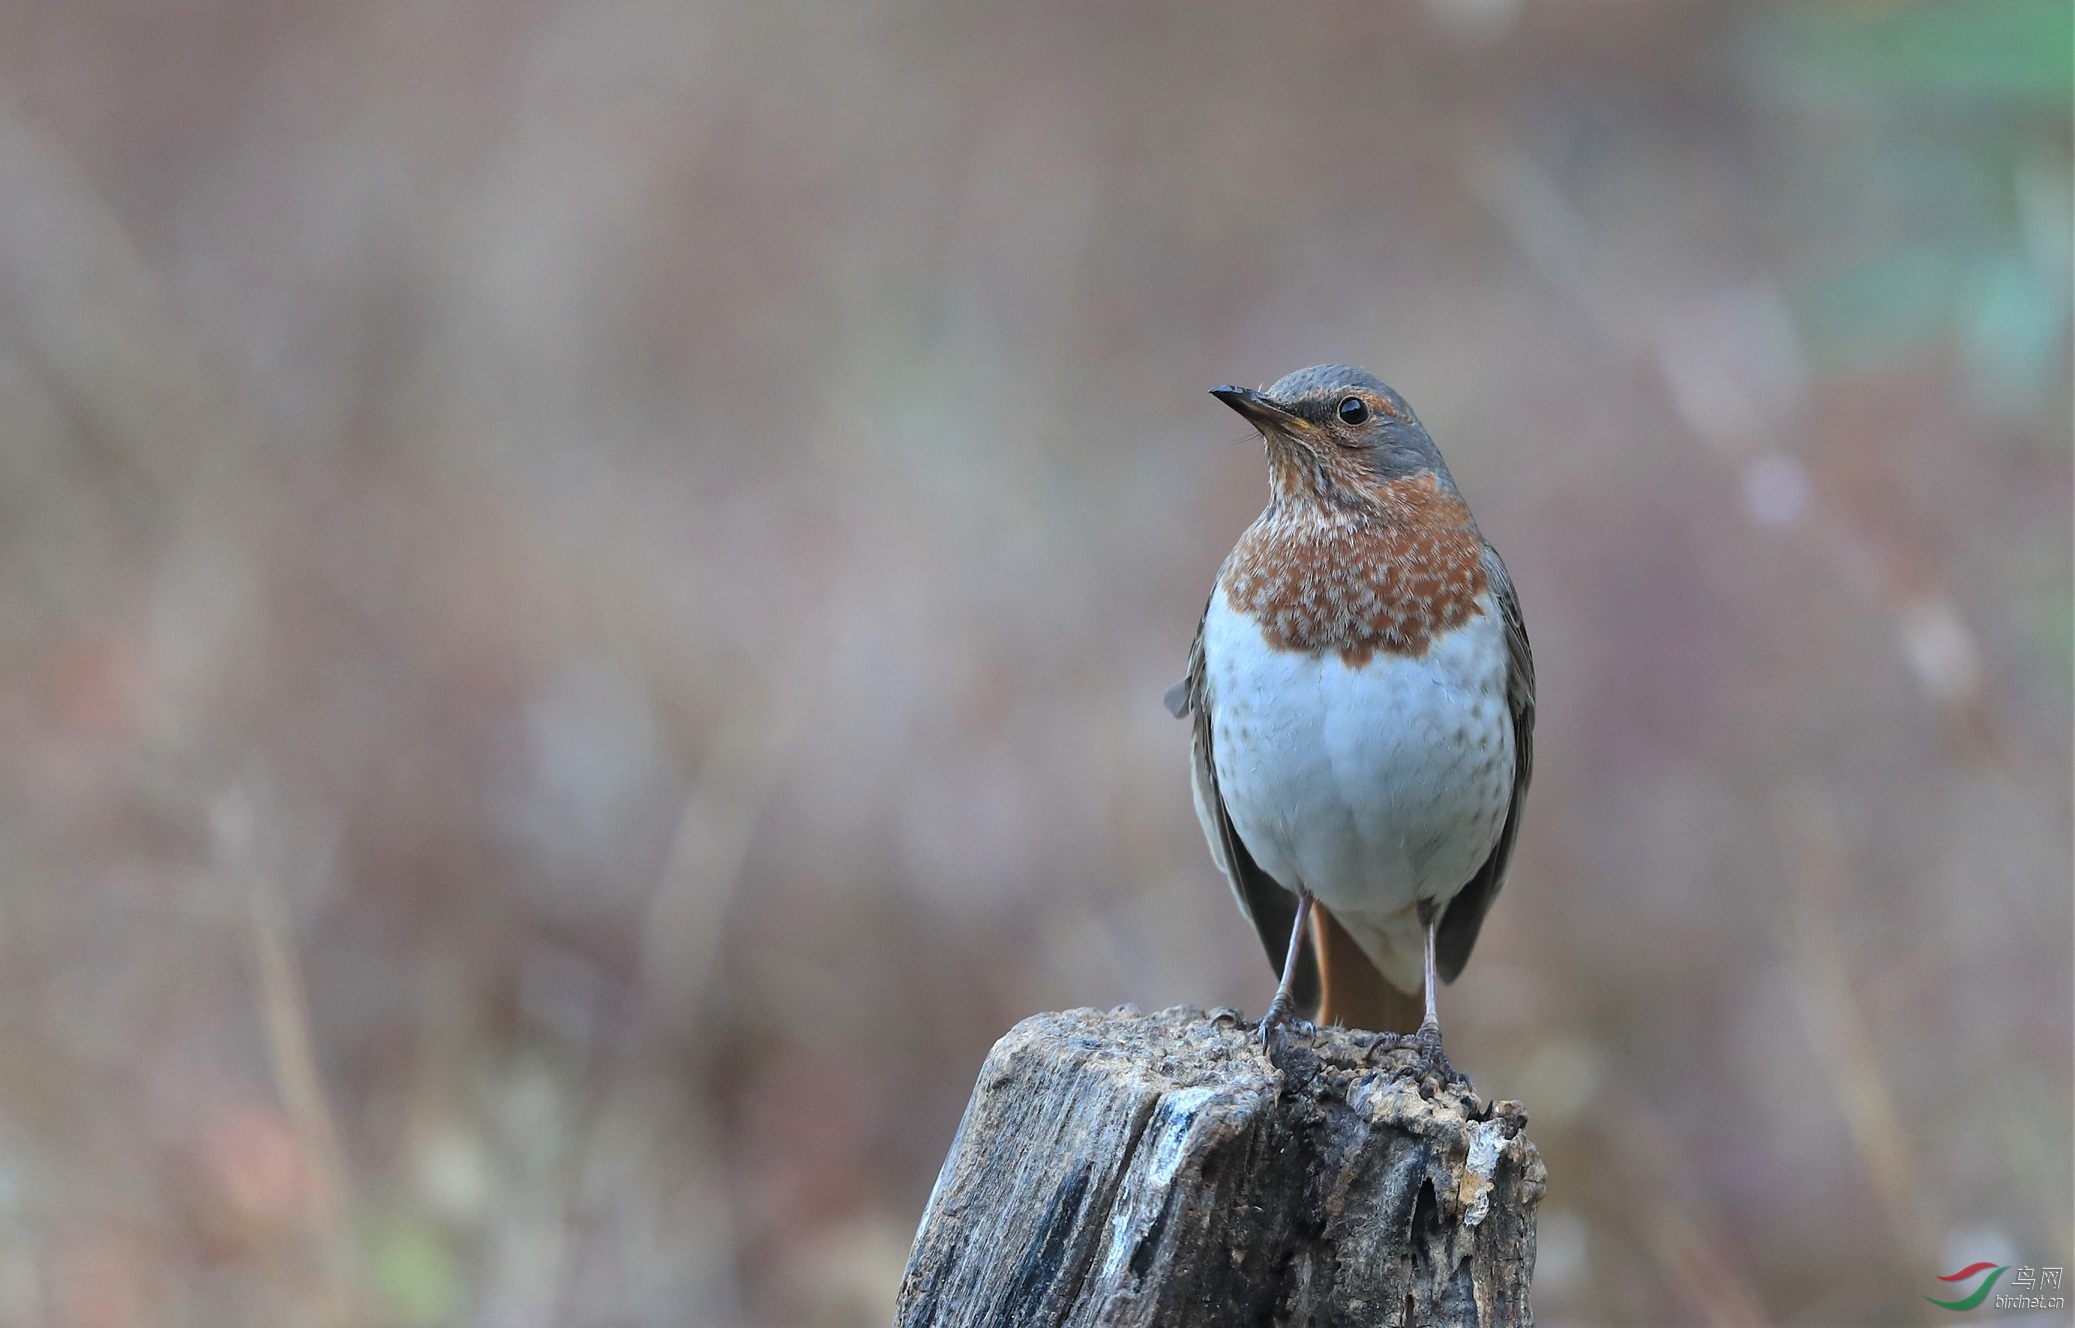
column 1363, row 703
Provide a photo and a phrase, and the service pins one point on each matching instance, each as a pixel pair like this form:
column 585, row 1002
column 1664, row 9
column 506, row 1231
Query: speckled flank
column 1386, row 569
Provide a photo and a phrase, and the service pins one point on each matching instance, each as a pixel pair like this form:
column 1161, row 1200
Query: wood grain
column 1142, row 1169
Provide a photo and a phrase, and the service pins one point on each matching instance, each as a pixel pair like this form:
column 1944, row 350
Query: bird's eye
column 1353, row 410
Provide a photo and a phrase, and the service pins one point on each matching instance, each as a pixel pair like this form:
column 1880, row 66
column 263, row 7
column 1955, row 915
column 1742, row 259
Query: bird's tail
column 1351, row 990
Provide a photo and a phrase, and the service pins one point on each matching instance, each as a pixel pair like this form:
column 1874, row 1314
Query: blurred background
column 585, row 590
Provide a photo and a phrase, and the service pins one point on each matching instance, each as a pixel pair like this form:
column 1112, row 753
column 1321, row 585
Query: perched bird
column 1364, row 707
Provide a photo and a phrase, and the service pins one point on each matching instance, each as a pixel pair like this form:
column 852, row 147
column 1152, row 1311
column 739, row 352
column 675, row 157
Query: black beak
column 1260, row 412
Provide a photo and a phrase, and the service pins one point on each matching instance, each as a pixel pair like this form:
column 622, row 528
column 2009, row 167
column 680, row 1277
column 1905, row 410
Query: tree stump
column 1158, row 1169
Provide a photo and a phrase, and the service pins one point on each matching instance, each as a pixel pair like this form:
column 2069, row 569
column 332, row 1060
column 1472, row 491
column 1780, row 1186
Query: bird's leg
column 1279, row 1009
column 1433, row 1061
column 1430, row 1027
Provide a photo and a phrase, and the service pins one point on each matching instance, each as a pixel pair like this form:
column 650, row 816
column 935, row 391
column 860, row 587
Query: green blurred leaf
column 2012, row 326
column 414, row 1271
column 2006, row 51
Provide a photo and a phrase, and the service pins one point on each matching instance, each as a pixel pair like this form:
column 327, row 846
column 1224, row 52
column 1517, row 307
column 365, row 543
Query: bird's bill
column 1259, row 411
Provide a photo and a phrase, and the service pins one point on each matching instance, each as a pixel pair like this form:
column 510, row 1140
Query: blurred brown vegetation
column 584, row 592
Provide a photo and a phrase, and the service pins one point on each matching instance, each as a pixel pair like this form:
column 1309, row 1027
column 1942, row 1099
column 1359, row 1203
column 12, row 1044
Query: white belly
column 1371, row 787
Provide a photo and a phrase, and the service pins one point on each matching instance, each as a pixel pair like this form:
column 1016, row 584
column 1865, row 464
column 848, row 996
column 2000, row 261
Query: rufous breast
column 1389, row 574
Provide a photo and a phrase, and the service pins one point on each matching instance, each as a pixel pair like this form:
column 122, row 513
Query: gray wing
column 1272, row 909
column 1459, row 925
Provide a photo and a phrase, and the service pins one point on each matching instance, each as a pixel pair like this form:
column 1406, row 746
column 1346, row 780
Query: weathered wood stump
column 1157, row 1169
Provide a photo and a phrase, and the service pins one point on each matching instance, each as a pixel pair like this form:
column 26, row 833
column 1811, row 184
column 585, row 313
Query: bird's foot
column 1430, row 1065
column 1281, row 1026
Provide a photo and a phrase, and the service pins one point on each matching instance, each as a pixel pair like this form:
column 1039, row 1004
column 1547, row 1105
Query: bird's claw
column 1430, row 1065
column 1280, row 1028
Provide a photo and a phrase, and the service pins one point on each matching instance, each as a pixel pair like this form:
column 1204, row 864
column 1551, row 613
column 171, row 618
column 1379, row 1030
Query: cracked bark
column 1127, row 1168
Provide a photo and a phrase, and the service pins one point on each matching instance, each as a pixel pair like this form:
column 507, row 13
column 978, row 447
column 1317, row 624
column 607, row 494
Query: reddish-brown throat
column 1361, row 548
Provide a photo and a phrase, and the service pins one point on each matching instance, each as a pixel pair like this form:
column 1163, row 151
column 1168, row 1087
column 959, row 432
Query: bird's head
column 1334, row 430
